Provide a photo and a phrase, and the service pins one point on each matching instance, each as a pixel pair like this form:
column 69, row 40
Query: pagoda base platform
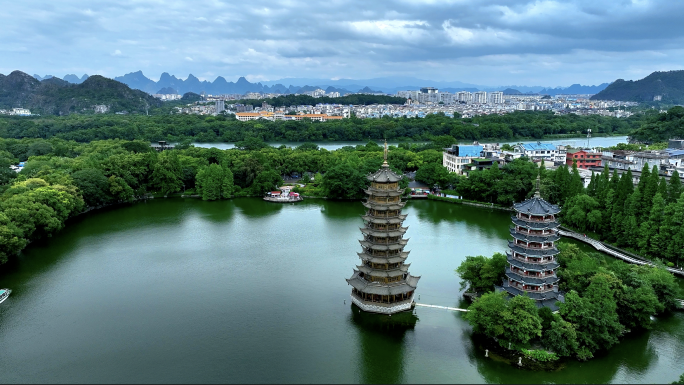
column 383, row 308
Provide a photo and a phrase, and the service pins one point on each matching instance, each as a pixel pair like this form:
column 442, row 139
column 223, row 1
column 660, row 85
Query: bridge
column 442, row 307
column 613, row 252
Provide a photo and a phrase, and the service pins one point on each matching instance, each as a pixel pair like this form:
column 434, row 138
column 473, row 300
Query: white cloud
column 116, row 53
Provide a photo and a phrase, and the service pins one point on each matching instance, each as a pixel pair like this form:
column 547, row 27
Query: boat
column 4, row 293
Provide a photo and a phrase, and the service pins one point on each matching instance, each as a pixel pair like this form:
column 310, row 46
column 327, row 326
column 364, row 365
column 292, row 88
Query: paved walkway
column 442, row 307
column 601, row 247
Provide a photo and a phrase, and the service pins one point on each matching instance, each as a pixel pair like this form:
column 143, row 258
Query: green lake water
column 248, row 291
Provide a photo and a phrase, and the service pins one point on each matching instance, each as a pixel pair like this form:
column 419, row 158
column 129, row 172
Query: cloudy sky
column 489, row 42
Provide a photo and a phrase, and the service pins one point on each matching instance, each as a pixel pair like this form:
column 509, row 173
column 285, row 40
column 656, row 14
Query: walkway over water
column 442, row 307
column 613, row 252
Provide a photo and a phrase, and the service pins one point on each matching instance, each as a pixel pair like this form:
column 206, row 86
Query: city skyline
column 495, row 43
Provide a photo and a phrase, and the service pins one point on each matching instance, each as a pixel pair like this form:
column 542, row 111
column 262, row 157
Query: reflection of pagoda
column 532, row 256
column 382, row 283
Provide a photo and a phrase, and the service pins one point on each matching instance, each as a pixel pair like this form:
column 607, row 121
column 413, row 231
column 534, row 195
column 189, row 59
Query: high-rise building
column 480, row 97
column 532, row 261
column 496, row 97
column 464, row 96
column 429, row 90
column 220, row 106
column 382, row 283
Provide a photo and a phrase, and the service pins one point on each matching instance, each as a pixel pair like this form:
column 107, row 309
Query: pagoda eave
column 530, row 266
column 378, row 259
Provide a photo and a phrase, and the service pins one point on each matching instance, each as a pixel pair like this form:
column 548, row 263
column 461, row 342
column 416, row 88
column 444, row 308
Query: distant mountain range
column 668, row 86
column 55, row 96
column 390, row 85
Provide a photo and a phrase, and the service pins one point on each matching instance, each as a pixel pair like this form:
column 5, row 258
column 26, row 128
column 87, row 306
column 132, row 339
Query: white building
column 480, row 97
column 457, row 157
column 543, row 151
column 464, row 96
column 496, row 97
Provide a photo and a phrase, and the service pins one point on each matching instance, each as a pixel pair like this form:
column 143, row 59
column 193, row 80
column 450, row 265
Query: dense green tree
column 674, row 189
column 93, row 185
column 214, row 182
column 480, row 273
column 344, row 182
column 166, row 173
column 561, row 337
column 484, row 314
column 520, row 321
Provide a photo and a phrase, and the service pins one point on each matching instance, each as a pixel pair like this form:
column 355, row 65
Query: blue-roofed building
column 457, row 157
column 539, row 150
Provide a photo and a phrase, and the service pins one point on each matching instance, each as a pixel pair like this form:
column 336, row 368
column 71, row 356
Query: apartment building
column 458, row 157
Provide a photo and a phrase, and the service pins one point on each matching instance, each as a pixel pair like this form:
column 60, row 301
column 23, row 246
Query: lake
column 181, row 290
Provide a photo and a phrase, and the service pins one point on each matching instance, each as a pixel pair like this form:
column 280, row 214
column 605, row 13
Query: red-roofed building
column 585, row 159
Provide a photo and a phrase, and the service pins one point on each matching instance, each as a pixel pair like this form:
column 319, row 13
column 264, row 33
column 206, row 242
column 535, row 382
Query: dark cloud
column 487, row 42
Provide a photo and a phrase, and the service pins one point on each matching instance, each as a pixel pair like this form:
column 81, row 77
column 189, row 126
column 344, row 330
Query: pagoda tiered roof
column 401, row 257
column 384, row 175
column 384, row 247
column 534, row 238
column 383, row 273
column 384, row 233
column 536, row 206
column 534, row 224
column 550, row 294
column 390, row 221
column 531, row 266
column 384, row 193
column 402, row 287
column 533, row 252
column 533, row 280
column 384, row 206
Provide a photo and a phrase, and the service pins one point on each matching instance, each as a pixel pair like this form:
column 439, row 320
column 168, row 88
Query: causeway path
column 615, row 253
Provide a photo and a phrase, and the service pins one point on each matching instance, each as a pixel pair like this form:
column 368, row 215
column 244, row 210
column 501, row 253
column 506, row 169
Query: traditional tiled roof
column 532, row 266
column 534, row 280
column 536, row 206
column 535, row 225
column 384, row 175
column 402, row 287
column 534, row 238
column 532, row 252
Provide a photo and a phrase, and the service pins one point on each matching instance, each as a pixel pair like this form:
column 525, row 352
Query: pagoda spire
column 537, row 194
column 384, row 164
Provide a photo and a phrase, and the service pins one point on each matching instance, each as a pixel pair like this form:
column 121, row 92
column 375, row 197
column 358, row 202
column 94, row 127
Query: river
column 243, row 290
column 574, row 142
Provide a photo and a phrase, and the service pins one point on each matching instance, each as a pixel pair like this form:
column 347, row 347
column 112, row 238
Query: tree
column 481, row 273
column 344, row 182
column 674, row 189
column 12, row 239
column 93, row 185
column 434, row 174
column 214, row 182
column 166, row 174
column 650, row 242
column 484, row 314
column 520, row 321
column 251, row 144
column 120, row 190
column 561, row 337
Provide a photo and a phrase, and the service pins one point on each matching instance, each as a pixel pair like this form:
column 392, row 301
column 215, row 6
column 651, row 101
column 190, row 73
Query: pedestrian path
column 601, row 247
column 441, row 307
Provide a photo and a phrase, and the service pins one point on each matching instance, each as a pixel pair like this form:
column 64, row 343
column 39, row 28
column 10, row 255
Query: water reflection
column 250, row 208
column 381, row 350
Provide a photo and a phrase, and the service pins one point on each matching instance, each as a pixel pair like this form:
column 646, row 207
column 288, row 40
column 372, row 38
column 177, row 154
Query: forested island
column 195, row 128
